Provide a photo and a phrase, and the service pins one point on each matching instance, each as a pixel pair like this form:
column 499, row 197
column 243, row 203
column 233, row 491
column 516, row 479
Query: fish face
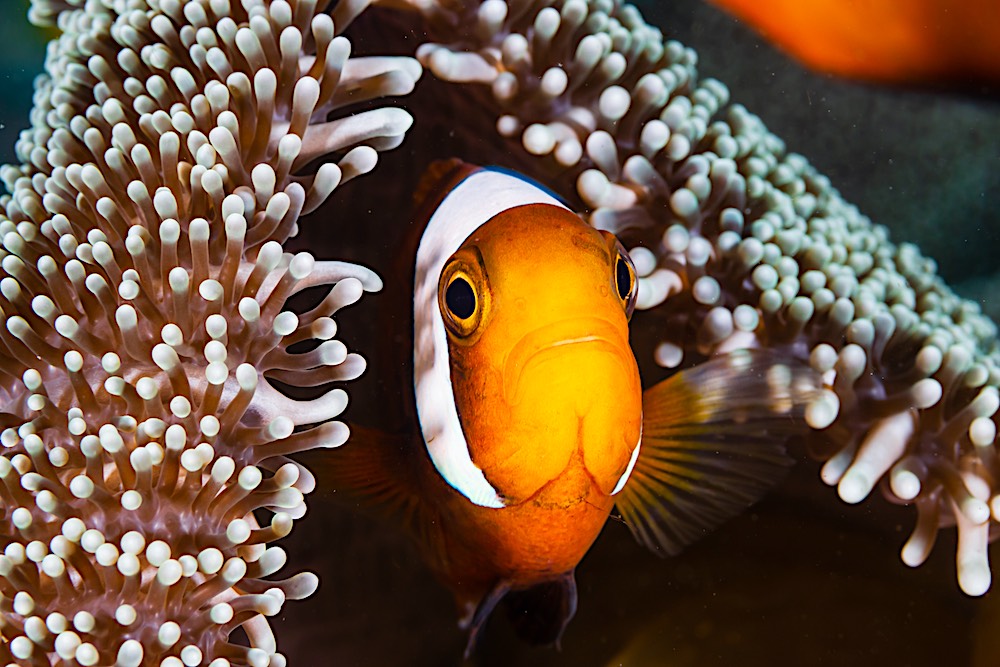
column 536, row 304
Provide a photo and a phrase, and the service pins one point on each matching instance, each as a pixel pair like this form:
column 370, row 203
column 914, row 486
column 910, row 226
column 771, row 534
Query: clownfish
column 524, row 421
column 922, row 42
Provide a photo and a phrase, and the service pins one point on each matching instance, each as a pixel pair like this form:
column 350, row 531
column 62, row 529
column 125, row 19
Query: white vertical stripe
column 631, row 464
column 471, row 203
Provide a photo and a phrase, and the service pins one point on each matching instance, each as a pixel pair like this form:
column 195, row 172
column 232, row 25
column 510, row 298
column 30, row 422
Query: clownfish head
column 536, row 306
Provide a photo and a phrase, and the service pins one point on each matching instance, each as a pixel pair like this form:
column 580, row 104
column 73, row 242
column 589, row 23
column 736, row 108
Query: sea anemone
column 145, row 331
column 740, row 243
column 149, row 359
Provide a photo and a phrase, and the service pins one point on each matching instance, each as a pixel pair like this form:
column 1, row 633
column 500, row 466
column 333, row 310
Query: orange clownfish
column 937, row 42
column 526, row 423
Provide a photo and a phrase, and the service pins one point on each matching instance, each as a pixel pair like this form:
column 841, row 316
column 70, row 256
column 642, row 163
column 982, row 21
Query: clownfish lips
column 566, row 358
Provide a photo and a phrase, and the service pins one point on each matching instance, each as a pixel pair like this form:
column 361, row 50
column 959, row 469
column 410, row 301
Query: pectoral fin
column 713, row 443
column 377, row 473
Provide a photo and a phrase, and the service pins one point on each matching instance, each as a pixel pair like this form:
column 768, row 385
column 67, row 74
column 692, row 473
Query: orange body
column 548, row 394
column 923, row 41
column 522, row 545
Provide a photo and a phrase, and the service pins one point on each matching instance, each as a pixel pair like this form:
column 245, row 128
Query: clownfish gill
column 527, row 422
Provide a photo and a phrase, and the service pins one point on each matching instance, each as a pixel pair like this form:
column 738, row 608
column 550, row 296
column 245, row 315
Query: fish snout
column 568, row 358
column 577, row 383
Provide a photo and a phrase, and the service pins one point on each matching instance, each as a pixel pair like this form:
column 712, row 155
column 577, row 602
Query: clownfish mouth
column 574, row 351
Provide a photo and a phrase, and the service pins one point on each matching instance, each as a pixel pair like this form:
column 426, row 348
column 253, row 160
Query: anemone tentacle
column 144, row 291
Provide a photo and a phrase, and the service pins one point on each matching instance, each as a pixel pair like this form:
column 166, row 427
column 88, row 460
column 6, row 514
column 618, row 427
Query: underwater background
column 802, row 578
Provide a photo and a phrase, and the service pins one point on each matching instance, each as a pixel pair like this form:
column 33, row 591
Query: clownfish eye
column 626, row 285
column 460, row 298
column 623, row 278
column 463, row 296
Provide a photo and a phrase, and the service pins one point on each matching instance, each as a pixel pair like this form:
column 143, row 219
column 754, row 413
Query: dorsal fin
column 439, row 179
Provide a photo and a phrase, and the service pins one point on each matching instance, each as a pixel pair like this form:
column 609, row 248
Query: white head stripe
column 471, row 203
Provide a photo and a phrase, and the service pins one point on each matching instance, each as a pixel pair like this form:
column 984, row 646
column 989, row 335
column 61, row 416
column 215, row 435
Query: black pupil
column 460, row 299
column 623, row 278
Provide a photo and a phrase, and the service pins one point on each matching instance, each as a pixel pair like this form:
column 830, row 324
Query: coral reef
column 145, row 330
